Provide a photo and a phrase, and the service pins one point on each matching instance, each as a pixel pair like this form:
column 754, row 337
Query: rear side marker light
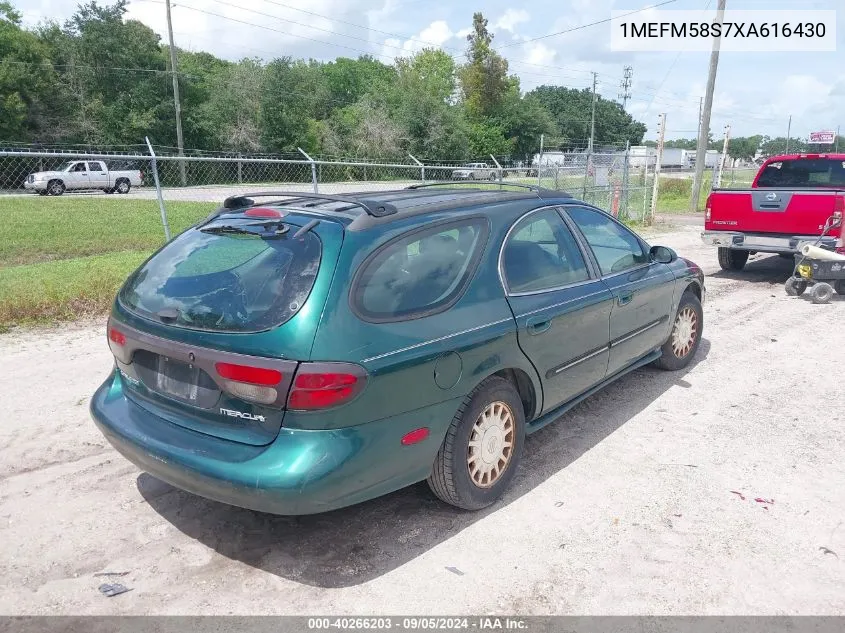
column 415, row 436
column 117, row 337
column 313, row 389
column 248, row 374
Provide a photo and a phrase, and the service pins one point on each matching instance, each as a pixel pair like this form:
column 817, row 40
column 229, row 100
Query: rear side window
column 803, row 172
column 226, row 282
column 419, row 273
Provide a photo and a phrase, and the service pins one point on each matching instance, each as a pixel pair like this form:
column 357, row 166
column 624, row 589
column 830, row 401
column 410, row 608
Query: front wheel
column 822, row 292
column 55, row 188
column 730, row 259
column 482, row 448
column 685, row 338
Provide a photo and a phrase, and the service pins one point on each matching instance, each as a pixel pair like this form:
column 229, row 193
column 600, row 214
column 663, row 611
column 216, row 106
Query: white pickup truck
column 78, row 175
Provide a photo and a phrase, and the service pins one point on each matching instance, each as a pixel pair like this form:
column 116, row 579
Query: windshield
column 804, row 172
column 226, row 281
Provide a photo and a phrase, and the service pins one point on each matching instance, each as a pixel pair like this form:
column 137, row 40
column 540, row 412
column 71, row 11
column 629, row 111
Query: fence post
column 625, row 182
column 498, row 168
column 313, row 168
column 661, row 126
column 154, row 165
column 240, row 170
column 422, row 167
column 587, row 172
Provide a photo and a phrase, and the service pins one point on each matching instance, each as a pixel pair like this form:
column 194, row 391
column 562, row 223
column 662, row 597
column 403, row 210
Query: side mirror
column 662, row 254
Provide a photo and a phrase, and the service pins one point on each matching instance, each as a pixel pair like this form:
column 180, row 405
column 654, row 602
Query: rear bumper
column 762, row 243
column 300, row 472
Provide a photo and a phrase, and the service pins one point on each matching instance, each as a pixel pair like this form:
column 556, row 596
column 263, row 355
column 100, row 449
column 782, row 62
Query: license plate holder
column 177, row 379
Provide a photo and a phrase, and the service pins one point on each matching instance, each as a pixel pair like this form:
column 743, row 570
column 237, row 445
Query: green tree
column 744, row 147
column 293, row 95
column 26, row 77
column 571, row 109
column 351, row 79
column 773, row 146
column 484, row 78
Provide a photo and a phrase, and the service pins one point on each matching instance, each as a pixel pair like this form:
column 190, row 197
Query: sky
column 755, row 92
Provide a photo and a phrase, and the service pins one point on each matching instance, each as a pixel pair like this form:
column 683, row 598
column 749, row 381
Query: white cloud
column 539, row 53
column 434, row 35
column 511, row 18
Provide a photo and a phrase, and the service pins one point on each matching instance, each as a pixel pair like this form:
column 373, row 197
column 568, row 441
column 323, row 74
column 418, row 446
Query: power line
column 589, row 24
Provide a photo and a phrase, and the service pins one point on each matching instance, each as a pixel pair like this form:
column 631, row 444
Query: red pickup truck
column 791, row 201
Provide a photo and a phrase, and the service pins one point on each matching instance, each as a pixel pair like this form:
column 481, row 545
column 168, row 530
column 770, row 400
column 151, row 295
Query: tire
column 677, row 353
column 122, row 186
column 43, row 192
column 821, row 292
column 492, row 176
column 730, row 259
column 839, row 286
column 451, row 479
column 55, row 188
column 795, row 286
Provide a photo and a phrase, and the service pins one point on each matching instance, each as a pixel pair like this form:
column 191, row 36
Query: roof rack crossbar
column 495, row 185
column 371, row 207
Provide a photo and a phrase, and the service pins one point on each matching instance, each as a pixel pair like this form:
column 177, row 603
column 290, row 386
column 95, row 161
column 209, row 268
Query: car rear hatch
column 210, row 332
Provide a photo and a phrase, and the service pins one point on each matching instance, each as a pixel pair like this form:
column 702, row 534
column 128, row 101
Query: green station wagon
column 314, row 351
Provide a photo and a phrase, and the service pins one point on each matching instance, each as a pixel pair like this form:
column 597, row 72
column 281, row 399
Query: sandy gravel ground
column 718, row 490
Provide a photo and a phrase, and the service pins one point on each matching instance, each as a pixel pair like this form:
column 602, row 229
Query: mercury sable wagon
column 311, row 352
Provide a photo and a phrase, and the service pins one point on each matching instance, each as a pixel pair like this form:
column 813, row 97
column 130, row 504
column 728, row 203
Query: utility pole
column 704, row 131
column 661, row 135
column 836, row 140
column 180, row 142
column 628, row 72
column 788, row 132
column 717, row 182
column 700, row 106
column 593, row 116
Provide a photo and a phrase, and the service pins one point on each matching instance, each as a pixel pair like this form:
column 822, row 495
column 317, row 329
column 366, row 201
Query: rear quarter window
column 419, row 273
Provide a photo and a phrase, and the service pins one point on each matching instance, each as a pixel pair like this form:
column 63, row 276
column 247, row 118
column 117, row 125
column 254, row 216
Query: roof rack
column 374, row 208
column 541, row 192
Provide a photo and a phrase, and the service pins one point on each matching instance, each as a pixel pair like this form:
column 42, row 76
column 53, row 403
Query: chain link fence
column 614, row 181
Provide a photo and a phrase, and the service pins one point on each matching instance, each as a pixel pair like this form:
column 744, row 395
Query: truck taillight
column 707, row 208
column 324, row 385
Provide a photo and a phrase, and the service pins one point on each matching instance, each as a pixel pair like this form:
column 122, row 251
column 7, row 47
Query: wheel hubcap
column 490, row 444
column 685, row 332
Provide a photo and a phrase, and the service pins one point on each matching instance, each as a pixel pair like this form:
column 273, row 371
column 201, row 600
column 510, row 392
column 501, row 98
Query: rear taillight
column 256, row 384
column 324, row 385
column 707, row 207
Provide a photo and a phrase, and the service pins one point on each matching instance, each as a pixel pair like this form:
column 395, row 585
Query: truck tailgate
column 781, row 211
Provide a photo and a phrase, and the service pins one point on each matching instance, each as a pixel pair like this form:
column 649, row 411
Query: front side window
column 616, row 249
column 541, row 254
column 419, row 274
column 79, row 167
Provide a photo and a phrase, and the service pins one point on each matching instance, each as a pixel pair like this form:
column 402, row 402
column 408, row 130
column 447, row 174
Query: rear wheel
column 822, row 292
column 122, row 186
column 482, row 448
column 683, row 342
column 795, row 286
column 730, row 259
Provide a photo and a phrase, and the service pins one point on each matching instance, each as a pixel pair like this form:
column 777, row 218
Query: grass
column 65, row 258
column 37, row 229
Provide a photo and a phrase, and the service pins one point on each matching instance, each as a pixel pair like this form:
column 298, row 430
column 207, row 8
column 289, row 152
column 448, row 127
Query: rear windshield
column 804, row 172
column 226, row 282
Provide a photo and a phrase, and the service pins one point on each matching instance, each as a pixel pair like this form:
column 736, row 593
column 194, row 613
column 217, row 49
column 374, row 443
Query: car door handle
column 625, row 298
column 538, row 326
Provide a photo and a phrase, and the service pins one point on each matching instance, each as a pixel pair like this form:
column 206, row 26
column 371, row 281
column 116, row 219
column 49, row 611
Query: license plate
column 777, row 242
column 177, row 379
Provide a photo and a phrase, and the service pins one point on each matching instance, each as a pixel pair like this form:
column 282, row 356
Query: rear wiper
column 262, row 229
